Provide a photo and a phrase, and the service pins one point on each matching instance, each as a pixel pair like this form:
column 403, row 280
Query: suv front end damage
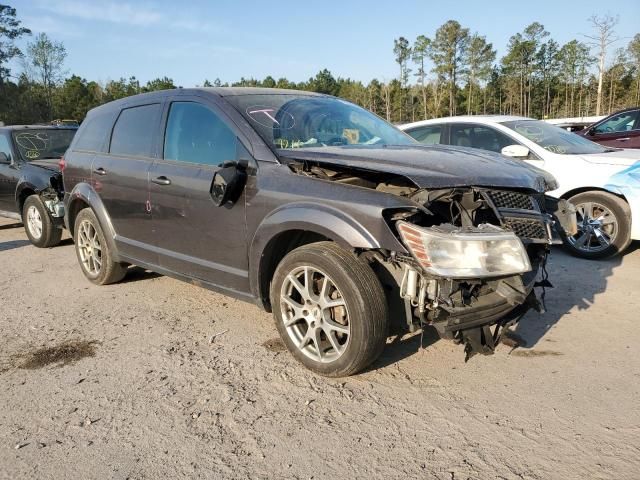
column 52, row 197
column 475, row 255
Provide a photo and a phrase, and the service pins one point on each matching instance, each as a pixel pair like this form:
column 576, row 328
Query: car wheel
column 329, row 309
column 604, row 225
column 93, row 252
column 38, row 224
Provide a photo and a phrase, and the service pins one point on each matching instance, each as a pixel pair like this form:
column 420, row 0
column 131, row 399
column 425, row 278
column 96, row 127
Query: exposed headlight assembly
column 485, row 251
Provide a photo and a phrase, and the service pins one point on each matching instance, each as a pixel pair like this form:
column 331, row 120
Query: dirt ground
column 156, row 378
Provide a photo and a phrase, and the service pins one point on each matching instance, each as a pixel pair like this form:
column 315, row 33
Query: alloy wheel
column 597, row 227
column 34, row 222
column 315, row 314
column 89, row 247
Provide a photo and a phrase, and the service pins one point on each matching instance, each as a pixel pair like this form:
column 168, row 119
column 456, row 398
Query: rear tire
column 330, row 309
column 604, row 225
column 94, row 254
column 38, row 224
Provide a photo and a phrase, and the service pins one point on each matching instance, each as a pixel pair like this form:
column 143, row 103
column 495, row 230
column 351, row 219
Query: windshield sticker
column 33, row 144
column 33, row 141
column 271, row 117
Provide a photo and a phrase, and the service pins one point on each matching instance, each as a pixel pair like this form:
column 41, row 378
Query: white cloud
column 50, row 25
column 126, row 14
column 114, row 12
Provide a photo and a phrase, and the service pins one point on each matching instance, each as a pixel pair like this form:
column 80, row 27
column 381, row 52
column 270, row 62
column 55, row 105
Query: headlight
column 485, row 252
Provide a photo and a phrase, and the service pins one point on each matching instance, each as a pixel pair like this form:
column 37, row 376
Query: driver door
column 193, row 236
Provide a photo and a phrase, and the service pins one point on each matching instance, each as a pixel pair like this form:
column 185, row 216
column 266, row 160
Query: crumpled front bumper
column 479, row 321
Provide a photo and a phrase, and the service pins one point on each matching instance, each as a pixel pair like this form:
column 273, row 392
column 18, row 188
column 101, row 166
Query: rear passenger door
column 121, row 179
column 195, row 237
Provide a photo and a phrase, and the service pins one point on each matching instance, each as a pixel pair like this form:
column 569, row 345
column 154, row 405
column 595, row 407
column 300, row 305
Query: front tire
column 93, row 251
column 604, row 225
column 329, row 309
column 38, row 225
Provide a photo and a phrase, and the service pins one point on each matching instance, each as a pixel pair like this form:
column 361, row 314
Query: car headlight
column 487, row 251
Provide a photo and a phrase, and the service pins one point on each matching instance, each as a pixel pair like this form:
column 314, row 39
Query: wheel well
column 24, row 194
column 75, row 207
column 576, row 191
column 277, row 248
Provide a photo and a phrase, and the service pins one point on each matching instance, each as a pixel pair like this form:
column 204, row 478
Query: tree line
column 454, row 71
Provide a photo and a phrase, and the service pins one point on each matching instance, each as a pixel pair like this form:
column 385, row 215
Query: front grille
column 527, row 228
column 512, row 200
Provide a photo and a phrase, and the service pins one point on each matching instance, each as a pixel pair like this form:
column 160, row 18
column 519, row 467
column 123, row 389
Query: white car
column 601, row 182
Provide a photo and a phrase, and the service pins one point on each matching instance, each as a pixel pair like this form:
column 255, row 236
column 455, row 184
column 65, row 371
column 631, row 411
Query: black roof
column 39, row 127
column 217, row 91
column 233, row 91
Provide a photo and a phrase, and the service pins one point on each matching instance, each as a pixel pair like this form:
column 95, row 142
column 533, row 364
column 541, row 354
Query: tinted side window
column 427, row 135
column 93, row 133
column 622, row 122
column 196, row 134
column 5, row 146
column 478, row 136
column 134, row 130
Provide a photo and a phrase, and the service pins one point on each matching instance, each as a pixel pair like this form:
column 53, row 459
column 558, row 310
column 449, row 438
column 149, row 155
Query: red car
column 620, row 129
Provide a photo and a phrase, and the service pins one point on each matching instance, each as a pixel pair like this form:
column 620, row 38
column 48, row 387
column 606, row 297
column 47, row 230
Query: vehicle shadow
column 137, row 274
column 402, row 346
column 576, row 283
column 12, row 244
column 10, row 225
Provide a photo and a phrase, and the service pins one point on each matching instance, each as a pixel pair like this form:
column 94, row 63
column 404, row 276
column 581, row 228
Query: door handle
column 161, row 180
column 100, row 171
column 624, row 139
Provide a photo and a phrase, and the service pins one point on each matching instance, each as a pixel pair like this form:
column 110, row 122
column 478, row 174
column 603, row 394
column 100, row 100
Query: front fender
column 85, row 194
column 25, row 184
column 324, row 220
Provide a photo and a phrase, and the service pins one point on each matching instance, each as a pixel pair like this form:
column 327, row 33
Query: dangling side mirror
column 228, row 183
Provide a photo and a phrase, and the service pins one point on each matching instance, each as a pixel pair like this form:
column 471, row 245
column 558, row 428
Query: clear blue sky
column 193, row 40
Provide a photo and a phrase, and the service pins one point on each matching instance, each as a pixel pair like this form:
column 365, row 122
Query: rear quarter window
column 134, row 131
column 94, row 132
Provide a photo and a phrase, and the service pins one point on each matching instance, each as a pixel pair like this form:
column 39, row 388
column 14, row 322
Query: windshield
column 554, row 139
column 298, row 121
column 36, row 144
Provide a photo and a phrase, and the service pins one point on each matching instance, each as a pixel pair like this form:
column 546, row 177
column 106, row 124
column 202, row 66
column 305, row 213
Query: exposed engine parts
column 474, row 311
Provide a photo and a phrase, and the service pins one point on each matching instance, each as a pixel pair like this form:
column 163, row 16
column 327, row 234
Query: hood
column 433, row 166
column 622, row 157
column 49, row 164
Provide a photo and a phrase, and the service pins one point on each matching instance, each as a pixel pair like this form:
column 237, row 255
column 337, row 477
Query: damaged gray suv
column 315, row 209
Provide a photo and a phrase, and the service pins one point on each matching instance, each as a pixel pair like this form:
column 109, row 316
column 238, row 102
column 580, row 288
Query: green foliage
column 10, row 30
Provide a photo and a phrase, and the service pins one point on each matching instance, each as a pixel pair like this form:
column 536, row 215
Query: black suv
column 30, row 179
column 313, row 208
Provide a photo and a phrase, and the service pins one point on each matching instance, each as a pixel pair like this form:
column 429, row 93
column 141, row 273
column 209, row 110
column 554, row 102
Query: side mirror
column 591, row 132
column 228, row 183
column 515, row 151
column 4, row 158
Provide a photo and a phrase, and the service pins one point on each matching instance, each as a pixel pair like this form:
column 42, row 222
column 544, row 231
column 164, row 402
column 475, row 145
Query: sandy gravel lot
column 151, row 397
